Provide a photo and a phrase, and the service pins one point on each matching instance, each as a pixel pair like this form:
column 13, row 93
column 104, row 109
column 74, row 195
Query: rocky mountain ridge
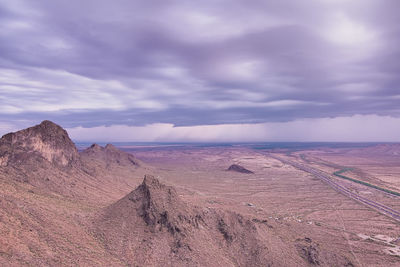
column 159, row 227
column 44, row 142
column 108, row 155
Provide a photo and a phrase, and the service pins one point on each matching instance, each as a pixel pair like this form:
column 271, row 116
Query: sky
column 169, row 70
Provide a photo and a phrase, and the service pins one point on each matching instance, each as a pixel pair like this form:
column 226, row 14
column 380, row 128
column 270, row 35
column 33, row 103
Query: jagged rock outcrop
column 311, row 252
column 44, row 142
column 153, row 226
column 238, row 168
column 160, row 207
column 108, row 156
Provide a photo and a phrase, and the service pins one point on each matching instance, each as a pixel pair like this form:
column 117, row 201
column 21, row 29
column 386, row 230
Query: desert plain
column 285, row 195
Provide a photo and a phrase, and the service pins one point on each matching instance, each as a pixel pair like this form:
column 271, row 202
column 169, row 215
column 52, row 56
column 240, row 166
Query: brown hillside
column 108, row 156
column 152, row 226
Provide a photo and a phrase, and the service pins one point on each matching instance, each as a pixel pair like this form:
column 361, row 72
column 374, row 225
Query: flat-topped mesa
column 46, row 141
column 109, row 155
column 238, row 168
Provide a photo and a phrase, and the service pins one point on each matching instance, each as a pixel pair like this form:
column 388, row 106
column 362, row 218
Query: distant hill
column 238, row 168
column 108, row 155
column 379, row 150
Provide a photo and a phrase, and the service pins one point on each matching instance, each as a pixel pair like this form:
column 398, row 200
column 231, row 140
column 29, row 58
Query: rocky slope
column 108, row 156
column 153, row 226
column 45, row 157
column 44, row 142
column 47, row 196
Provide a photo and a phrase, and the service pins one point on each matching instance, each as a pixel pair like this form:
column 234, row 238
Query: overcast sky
column 210, row 70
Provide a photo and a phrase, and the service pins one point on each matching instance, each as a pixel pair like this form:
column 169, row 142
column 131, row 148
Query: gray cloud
column 362, row 128
column 93, row 63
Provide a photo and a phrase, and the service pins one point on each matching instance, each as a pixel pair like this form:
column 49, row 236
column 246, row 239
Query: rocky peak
column 46, row 141
column 109, row 155
column 156, row 202
column 111, row 147
column 151, row 189
column 157, row 206
column 96, row 147
column 150, row 183
column 156, row 215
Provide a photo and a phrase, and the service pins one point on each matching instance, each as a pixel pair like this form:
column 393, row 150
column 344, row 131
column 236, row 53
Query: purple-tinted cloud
column 93, row 63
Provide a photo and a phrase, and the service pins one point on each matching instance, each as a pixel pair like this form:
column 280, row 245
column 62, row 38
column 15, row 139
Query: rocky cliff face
column 44, row 142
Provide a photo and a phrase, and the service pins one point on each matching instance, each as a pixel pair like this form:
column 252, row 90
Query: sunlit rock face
column 46, row 141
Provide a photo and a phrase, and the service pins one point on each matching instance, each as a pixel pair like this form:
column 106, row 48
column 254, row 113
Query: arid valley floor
column 61, row 207
column 287, row 196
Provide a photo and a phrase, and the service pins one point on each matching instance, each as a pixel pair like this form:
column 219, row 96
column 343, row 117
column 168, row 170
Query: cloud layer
column 99, row 63
column 367, row 128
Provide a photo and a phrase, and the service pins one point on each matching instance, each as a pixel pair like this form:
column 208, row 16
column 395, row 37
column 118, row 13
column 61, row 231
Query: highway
column 341, row 189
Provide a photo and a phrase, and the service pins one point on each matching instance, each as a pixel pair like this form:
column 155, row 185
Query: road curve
column 341, row 189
